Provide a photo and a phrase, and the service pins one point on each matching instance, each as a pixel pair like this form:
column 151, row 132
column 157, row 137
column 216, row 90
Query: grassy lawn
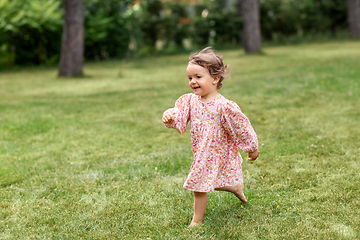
column 89, row 158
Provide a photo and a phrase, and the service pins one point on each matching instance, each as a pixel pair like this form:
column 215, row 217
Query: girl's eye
column 190, row 79
column 198, row 76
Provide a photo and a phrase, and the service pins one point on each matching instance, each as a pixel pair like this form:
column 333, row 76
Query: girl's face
column 201, row 82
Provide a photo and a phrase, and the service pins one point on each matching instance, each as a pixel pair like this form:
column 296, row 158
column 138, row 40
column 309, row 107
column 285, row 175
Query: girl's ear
column 216, row 80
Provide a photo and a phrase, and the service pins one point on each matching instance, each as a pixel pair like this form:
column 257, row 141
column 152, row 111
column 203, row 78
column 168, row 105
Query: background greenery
column 89, row 158
column 282, row 21
column 31, row 30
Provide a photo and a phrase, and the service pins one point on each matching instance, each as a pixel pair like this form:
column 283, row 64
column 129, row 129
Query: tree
column 354, row 17
column 72, row 46
column 249, row 11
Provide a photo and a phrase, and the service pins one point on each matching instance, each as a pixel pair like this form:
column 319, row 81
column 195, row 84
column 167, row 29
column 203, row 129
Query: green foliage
column 180, row 26
column 200, row 27
column 90, row 158
column 40, row 15
column 215, row 22
column 29, row 30
column 171, row 23
column 281, row 19
column 106, row 32
column 151, row 22
column 154, row 21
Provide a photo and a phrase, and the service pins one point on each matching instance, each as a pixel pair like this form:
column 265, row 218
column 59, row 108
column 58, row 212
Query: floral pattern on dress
column 218, row 129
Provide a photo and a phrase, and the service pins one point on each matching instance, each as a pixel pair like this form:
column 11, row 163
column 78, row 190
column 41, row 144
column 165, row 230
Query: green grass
column 89, row 158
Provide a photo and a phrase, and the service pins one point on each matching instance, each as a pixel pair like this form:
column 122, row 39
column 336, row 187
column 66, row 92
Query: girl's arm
column 239, row 128
column 179, row 116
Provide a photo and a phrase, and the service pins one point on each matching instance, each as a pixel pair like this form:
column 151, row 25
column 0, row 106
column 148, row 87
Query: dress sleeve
column 181, row 113
column 239, row 128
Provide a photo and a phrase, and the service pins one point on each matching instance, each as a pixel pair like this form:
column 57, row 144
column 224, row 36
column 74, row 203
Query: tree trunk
column 249, row 10
column 240, row 8
column 72, row 46
column 354, row 17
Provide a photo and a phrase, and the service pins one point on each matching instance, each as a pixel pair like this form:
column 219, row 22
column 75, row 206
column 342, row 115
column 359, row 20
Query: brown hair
column 212, row 61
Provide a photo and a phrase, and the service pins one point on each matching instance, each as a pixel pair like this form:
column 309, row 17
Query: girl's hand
column 168, row 118
column 253, row 155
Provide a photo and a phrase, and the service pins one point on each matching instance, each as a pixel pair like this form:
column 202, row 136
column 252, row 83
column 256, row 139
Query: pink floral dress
column 217, row 128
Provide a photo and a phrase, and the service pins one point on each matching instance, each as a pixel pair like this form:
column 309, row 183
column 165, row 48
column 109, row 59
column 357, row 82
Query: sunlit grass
column 89, row 158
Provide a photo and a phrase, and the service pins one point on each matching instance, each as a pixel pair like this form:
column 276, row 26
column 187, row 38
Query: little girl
column 217, row 128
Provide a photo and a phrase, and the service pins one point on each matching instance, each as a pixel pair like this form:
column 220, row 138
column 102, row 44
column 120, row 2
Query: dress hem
column 214, row 188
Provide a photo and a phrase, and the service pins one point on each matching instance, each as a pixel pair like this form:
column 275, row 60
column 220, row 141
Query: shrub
column 106, row 32
column 30, row 31
column 281, row 19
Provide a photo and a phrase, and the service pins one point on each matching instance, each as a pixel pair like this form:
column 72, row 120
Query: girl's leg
column 200, row 202
column 237, row 190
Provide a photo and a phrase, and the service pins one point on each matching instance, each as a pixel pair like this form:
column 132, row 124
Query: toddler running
column 217, row 128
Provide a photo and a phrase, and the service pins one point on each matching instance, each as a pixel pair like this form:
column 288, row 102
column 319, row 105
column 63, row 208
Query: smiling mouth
column 196, row 87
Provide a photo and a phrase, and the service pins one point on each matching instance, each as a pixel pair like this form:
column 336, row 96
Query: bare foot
column 239, row 193
column 236, row 189
column 194, row 224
